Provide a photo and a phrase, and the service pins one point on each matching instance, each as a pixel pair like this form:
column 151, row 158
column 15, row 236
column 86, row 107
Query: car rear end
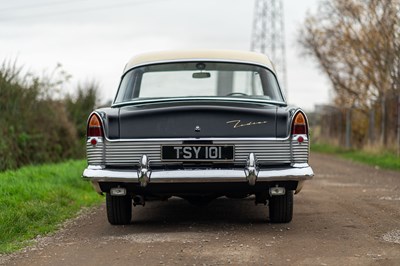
column 198, row 148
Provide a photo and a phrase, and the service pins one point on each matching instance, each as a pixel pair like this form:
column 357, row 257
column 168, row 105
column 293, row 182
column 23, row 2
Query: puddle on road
column 392, row 236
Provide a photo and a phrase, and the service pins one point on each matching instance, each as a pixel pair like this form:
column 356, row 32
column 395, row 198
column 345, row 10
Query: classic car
column 198, row 125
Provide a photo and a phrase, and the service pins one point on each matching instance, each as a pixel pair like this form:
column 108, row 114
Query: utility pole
column 268, row 35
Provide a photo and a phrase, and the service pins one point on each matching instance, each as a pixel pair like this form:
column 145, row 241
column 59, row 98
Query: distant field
column 382, row 159
column 36, row 199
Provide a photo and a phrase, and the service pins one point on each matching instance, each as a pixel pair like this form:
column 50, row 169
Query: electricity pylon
column 268, row 35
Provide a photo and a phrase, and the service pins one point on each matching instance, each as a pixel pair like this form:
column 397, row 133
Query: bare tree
column 357, row 44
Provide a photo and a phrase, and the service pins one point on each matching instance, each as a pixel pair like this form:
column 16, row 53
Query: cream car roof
column 188, row 55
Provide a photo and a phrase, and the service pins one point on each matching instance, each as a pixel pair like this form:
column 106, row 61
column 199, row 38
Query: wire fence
column 378, row 127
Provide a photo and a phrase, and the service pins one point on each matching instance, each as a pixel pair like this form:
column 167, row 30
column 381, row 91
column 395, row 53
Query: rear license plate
column 200, row 153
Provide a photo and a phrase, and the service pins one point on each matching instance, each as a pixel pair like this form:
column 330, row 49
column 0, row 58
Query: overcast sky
column 93, row 39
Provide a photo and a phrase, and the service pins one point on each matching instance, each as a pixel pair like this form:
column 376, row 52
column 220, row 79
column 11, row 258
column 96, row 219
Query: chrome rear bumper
column 251, row 174
column 198, row 175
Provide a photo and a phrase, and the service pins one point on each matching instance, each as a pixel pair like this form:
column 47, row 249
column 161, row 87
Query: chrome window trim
column 199, row 59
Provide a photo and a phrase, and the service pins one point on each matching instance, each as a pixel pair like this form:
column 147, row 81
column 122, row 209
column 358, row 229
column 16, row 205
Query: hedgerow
column 39, row 123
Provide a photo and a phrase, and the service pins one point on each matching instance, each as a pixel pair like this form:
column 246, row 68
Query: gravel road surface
column 349, row 214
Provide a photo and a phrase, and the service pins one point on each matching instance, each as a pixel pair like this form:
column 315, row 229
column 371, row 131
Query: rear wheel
column 119, row 209
column 281, row 208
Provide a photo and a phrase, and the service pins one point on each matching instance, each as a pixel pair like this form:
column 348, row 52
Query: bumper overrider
column 251, row 174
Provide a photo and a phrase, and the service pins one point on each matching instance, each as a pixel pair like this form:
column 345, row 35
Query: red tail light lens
column 94, row 128
column 299, row 125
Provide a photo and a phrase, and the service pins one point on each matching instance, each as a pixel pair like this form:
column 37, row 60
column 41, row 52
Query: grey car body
column 198, row 125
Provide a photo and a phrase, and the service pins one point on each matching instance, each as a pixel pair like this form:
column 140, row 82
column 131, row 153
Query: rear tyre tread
column 119, row 209
column 281, row 208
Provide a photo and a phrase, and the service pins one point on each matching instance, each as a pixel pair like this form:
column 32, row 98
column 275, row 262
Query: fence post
column 371, row 126
column 398, row 125
column 348, row 128
column 340, row 126
column 383, row 121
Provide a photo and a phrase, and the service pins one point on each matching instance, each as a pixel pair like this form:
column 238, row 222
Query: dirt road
column 349, row 214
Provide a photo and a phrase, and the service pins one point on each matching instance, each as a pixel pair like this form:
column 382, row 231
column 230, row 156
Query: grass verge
column 384, row 160
column 36, row 199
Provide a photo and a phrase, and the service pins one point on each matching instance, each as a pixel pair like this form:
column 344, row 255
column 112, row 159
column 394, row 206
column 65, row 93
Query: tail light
column 94, row 128
column 299, row 126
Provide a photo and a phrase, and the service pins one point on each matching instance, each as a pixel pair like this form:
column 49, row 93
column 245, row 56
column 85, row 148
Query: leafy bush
column 37, row 124
column 79, row 107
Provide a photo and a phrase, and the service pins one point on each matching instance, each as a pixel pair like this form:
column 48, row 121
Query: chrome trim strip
column 140, row 101
column 200, row 59
column 198, row 175
column 158, row 141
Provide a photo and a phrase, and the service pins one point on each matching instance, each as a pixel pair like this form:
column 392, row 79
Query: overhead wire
column 82, row 10
column 39, row 5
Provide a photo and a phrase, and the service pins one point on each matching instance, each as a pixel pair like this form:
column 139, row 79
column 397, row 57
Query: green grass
column 36, row 199
column 384, row 160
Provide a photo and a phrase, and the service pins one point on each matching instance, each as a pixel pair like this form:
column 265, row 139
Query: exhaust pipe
column 138, row 200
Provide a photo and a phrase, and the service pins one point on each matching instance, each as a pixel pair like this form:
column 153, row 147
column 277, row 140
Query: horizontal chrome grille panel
column 95, row 153
column 128, row 153
column 267, row 152
column 300, row 151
